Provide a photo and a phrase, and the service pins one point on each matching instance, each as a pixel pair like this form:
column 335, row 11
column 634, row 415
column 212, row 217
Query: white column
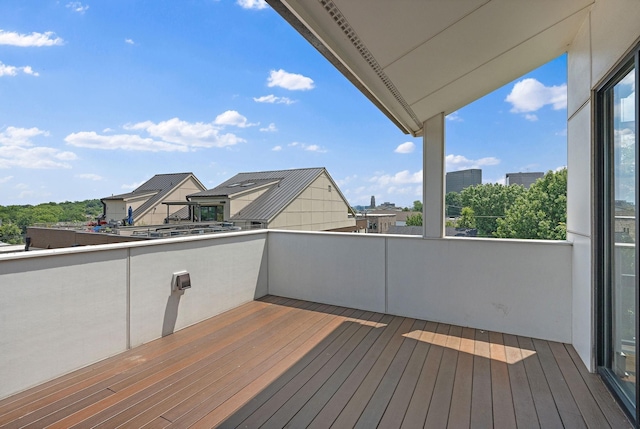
column 433, row 174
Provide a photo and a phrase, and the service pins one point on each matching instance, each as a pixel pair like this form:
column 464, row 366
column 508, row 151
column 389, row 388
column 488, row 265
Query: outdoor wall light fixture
column 181, row 281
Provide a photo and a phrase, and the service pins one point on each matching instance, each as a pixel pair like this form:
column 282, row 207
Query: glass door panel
column 621, row 232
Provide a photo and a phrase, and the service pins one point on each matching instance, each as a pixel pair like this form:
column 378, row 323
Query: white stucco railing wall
column 59, row 312
column 330, row 268
column 519, row 287
column 225, row 272
column 63, row 309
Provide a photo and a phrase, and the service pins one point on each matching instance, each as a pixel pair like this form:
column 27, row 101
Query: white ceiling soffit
column 417, row 58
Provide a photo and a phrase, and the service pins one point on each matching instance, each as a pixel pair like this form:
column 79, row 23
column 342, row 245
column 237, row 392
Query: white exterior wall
column 610, row 30
column 119, row 209
column 518, row 287
column 433, row 176
column 332, row 268
column 514, row 286
column 64, row 309
column 225, row 272
column 241, row 201
column 315, row 209
column 156, row 214
column 59, row 313
column 115, row 210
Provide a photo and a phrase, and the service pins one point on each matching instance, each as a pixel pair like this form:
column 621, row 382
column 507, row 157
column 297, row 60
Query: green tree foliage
column 489, row 202
column 453, row 204
column 540, row 212
column 414, row 220
column 417, row 206
column 467, row 218
column 48, row 213
column 10, row 233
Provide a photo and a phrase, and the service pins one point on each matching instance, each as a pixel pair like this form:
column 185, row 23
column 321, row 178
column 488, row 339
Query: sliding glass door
column 618, row 276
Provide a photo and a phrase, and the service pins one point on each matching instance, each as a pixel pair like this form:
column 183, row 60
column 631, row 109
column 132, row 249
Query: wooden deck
column 279, row 362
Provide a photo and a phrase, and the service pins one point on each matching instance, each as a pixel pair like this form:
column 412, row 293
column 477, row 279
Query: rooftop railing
column 63, row 309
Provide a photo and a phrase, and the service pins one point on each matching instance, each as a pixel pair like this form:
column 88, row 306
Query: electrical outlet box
column 181, row 280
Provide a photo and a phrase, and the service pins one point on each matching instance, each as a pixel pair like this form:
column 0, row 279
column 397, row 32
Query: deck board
column 280, row 362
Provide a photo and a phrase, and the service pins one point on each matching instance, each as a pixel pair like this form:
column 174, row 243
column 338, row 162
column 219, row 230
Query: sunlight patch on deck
column 482, row 348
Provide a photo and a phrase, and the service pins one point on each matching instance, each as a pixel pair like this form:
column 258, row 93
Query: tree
column 27, row 215
column 489, row 202
column 540, row 212
column 414, row 220
column 467, row 218
column 417, row 206
column 453, row 204
column 10, row 233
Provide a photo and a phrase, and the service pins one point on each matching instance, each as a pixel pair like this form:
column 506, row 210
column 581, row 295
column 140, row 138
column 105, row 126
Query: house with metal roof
column 146, row 201
column 300, row 199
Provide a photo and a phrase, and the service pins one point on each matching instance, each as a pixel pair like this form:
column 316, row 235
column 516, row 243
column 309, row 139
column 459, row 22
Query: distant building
column 387, row 205
column 524, row 179
column 379, row 223
column 456, row 181
column 147, row 200
column 373, row 202
column 305, row 199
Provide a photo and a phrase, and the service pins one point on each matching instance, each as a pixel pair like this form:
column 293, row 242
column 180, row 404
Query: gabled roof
column 286, row 185
column 156, row 188
column 416, row 59
column 230, row 188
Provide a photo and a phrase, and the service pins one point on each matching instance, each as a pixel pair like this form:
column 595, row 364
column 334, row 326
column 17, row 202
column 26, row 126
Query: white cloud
column 314, row 148
column 29, row 193
column 454, row 117
column 273, row 99
column 48, row 38
column 89, row 176
column 132, row 185
column 6, row 70
column 173, row 135
column 629, row 79
column 277, row 148
column 500, row 181
column 271, row 128
column 5, row 179
column 13, row 136
column 252, row 4
column 562, row 167
column 232, row 117
column 346, row 180
column 132, row 142
column 76, row 6
column 529, row 95
column 401, row 178
column 308, row 147
column 531, row 117
column 459, row 162
column 562, row 133
column 192, row 134
column 108, row 130
column 385, row 186
column 18, row 150
column 129, row 41
column 291, row 81
column 407, row 147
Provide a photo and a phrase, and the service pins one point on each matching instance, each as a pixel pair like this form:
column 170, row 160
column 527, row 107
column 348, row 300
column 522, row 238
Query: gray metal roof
column 231, row 188
column 162, row 184
column 289, row 184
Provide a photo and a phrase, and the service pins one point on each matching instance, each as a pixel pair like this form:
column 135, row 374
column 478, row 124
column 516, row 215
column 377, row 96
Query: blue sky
column 98, row 96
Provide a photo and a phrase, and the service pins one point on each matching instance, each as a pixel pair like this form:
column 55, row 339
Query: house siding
column 315, row 209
